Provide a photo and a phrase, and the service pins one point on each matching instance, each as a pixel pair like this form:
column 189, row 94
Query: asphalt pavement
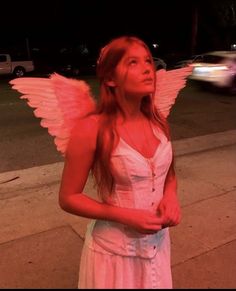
column 40, row 244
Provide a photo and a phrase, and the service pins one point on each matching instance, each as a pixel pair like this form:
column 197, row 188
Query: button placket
column 153, row 174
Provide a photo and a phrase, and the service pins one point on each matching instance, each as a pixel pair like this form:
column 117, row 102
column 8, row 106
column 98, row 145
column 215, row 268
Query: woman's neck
column 132, row 109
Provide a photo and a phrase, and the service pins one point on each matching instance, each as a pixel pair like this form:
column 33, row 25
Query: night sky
column 167, row 22
column 94, row 20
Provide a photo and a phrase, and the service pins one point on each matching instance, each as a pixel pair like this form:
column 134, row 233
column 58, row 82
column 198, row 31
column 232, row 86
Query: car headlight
column 209, row 71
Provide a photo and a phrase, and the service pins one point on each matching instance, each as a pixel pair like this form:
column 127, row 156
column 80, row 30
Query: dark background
column 45, row 30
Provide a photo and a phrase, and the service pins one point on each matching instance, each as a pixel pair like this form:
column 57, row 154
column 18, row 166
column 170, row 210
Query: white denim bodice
column 139, row 183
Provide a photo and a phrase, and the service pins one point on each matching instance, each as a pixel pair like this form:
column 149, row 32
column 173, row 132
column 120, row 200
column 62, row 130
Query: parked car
column 217, row 68
column 16, row 67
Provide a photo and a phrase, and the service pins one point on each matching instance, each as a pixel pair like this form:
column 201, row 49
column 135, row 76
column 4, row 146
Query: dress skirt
column 100, row 269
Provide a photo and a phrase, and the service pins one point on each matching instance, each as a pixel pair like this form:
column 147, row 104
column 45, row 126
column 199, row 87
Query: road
column 25, row 144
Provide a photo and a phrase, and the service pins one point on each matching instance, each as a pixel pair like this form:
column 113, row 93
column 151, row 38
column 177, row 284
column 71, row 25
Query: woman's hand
column 143, row 221
column 169, row 210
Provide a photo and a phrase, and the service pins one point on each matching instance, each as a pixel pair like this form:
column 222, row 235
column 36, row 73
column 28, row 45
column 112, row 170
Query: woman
column 126, row 146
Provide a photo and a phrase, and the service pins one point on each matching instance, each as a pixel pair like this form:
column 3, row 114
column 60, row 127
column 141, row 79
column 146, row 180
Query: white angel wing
column 59, row 101
column 168, row 85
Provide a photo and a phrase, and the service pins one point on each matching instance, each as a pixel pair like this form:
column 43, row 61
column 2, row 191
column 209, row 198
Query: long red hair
column 109, row 107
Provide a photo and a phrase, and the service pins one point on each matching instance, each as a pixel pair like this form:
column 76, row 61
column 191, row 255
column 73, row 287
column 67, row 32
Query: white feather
column 168, row 85
column 58, row 101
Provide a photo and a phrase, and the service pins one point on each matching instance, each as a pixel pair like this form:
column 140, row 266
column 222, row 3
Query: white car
column 15, row 67
column 217, row 68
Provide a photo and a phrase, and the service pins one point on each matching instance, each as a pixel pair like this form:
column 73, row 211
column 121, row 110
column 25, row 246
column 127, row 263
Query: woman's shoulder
column 86, row 126
column 83, row 134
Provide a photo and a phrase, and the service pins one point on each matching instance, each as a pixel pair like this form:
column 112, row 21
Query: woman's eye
column 148, row 61
column 132, row 62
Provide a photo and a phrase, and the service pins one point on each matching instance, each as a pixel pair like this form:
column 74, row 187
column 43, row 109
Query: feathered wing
column 168, row 85
column 58, row 101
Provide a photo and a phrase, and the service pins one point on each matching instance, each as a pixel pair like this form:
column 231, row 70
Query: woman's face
column 135, row 75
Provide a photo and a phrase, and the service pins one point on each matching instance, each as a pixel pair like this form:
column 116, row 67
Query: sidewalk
column 40, row 245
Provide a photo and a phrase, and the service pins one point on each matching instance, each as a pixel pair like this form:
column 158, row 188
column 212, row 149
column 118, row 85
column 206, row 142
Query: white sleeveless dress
column 115, row 256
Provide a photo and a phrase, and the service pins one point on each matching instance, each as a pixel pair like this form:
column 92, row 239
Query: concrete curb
column 204, row 142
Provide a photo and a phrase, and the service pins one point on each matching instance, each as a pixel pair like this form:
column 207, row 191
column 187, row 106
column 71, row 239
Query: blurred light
column 233, row 46
column 209, row 69
column 155, row 45
column 209, row 73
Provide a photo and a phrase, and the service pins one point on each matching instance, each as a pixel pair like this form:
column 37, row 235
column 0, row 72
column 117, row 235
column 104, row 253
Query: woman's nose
column 146, row 68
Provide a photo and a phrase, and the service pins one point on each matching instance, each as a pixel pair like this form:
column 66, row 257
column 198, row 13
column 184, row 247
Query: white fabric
column 115, row 256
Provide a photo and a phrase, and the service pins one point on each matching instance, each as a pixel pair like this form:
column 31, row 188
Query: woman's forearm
column 144, row 221
column 82, row 205
column 170, row 187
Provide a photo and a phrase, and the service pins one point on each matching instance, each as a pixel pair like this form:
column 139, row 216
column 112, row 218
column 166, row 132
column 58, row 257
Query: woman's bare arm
column 169, row 206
